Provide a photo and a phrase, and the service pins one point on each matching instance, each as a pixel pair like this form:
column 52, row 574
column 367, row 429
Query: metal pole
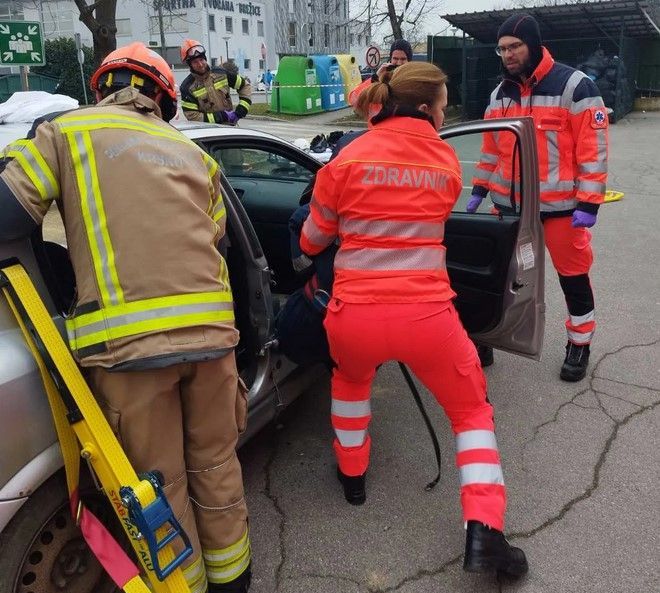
column 25, row 82
column 464, row 79
column 82, row 79
column 80, row 56
column 162, row 29
column 277, row 94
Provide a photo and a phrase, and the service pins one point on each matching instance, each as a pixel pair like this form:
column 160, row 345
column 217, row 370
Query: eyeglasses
column 195, row 51
column 514, row 47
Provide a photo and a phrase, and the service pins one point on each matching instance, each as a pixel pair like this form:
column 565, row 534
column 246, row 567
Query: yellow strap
column 97, row 441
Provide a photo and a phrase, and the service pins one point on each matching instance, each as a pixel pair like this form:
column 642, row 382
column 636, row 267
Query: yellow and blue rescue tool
column 82, row 430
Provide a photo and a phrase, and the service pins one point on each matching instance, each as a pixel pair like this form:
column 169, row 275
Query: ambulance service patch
column 598, row 118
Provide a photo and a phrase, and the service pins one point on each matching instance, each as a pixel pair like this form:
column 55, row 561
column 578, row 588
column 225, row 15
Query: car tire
column 44, row 552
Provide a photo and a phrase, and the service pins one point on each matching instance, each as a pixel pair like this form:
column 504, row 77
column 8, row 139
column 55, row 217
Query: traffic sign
column 373, row 56
column 21, row 44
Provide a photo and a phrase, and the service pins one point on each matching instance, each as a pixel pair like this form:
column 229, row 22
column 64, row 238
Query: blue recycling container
column 328, row 72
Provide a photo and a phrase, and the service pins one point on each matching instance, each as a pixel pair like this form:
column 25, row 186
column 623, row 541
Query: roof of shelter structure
column 606, row 18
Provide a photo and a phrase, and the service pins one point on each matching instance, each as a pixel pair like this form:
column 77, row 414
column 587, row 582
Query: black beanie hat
column 524, row 27
column 404, row 46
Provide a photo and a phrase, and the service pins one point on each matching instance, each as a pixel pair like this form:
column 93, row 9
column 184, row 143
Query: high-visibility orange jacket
column 571, row 134
column 386, row 197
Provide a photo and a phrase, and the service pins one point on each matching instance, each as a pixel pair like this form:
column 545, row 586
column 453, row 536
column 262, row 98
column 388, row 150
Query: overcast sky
column 434, row 24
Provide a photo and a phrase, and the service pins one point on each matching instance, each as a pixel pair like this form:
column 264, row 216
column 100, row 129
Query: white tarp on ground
column 26, row 106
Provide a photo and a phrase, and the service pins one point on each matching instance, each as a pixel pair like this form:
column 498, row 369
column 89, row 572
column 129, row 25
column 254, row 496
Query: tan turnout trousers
column 184, row 421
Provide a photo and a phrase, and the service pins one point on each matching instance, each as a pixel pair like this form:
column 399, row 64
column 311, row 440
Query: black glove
column 241, row 111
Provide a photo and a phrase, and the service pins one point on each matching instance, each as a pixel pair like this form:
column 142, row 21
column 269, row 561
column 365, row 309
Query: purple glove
column 232, row 118
column 583, row 219
column 473, row 203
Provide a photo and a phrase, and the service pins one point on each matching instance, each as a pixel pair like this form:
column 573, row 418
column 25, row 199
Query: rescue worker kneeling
column 392, row 299
column 153, row 323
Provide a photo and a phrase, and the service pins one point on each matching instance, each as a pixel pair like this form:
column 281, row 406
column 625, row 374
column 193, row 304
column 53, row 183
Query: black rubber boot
column 238, row 585
column 486, row 357
column 354, row 487
column 576, row 362
column 486, row 550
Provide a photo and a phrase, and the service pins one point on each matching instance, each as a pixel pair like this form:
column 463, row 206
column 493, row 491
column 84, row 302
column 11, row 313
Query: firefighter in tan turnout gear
column 205, row 92
column 153, row 321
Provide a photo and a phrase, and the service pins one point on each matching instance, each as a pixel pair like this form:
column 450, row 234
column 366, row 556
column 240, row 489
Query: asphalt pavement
column 581, row 461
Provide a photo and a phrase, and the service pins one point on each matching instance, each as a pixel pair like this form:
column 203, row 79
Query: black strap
column 427, row 421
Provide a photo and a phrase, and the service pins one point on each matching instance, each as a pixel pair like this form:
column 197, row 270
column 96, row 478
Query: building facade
column 254, row 34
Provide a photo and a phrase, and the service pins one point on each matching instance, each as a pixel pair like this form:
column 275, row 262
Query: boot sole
column 570, row 377
column 483, row 567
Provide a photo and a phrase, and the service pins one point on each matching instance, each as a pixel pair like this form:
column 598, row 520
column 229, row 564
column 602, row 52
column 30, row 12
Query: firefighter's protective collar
column 131, row 96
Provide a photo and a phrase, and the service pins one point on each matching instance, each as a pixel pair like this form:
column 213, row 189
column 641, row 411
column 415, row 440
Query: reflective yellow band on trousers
column 227, row 564
column 157, row 314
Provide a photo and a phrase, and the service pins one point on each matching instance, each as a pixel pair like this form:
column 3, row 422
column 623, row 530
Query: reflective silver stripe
column 524, row 101
column 501, row 199
column 546, row 101
column 559, row 205
column 315, row 235
column 224, row 576
column 586, row 103
column 475, row 439
column 580, row 319
column 302, row 262
column 415, row 258
column 571, row 84
column 82, row 330
column 195, row 576
column 52, row 191
column 486, row 157
column 393, row 228
column 351, row 438
column 325, row 212
column 87, row 194
column 595, row 187
column 357, row 409
column 481, row 473
column 553, row 157
column 497, row 178
column 547, row 186
column 593, row 167
column 578, row 338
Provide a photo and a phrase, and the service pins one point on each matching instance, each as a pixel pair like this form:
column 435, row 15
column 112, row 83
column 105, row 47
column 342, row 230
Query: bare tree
column 99, row 18
column 402, row 17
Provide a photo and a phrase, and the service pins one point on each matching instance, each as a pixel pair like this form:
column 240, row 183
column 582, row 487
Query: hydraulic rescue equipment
column 83, row 431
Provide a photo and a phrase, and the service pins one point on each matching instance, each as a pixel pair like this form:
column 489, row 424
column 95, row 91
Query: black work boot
column 576, row 362
column 354, row 487
column 486, row 550
column 238, row 585
column 486, row 357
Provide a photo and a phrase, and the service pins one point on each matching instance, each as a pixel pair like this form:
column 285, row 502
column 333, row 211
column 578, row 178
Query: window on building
column 345, row 9
column 311, row 34
column 310, row 6
column 172, row 23
column 211, row 22
column 352, row 38
column 326, row 6
column 260, row 28
column 246, row 27
column 229, row 24
column 326, row 35
column 123, row 27
column 262, row 64
column 292, row 6
column 11, row 10
column 246, row 63
column 57, row 17
column 292, row 34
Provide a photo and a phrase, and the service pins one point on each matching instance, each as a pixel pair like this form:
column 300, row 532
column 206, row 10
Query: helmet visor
column 195, row 51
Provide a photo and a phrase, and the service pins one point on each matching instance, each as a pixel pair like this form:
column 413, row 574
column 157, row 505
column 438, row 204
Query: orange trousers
column 572, row 256
column 429, row 338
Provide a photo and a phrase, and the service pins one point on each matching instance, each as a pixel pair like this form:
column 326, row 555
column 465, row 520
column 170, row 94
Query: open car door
column 496, row 260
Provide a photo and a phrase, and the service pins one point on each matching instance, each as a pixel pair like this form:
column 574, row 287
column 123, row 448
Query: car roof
column 198, row 130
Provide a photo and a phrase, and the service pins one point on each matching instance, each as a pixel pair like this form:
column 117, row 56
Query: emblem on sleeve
column 599, row 118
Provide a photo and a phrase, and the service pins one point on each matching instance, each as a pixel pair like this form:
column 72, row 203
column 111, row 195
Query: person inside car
column 386, row 197
column 153, row 323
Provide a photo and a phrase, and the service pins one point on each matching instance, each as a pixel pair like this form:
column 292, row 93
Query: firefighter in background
column 153, row 322
column 386, row 196
column 571, row 132
column 205, row 92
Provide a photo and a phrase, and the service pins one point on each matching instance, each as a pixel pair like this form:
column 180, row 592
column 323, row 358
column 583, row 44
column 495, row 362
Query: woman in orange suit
column 386, row 197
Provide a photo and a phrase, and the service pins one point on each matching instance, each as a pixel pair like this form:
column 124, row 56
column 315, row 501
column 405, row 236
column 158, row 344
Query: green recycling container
column 296, row 88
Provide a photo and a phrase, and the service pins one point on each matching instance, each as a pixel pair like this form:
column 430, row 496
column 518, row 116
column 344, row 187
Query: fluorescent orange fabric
column 386, row 197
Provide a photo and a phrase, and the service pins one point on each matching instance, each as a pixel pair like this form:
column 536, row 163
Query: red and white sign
column 372, row 56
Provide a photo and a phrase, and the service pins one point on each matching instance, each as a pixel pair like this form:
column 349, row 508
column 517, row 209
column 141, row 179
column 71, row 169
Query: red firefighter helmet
column 191, row 49
column 128, row 66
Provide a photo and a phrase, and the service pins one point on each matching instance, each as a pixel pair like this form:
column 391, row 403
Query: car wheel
column 44, row 552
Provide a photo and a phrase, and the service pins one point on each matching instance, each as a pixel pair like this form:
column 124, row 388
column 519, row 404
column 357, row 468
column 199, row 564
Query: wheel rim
column 59, row 560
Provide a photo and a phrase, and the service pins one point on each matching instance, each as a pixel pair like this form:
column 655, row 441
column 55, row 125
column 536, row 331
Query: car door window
column 257, row 163
column 492, row 160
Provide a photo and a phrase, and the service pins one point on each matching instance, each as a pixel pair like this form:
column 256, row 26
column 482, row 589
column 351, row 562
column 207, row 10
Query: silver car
column 496, row 265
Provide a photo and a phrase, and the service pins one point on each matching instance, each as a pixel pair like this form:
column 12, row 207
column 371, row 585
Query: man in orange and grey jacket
column 153, row 323
column 205, row 91
column 571, row 131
